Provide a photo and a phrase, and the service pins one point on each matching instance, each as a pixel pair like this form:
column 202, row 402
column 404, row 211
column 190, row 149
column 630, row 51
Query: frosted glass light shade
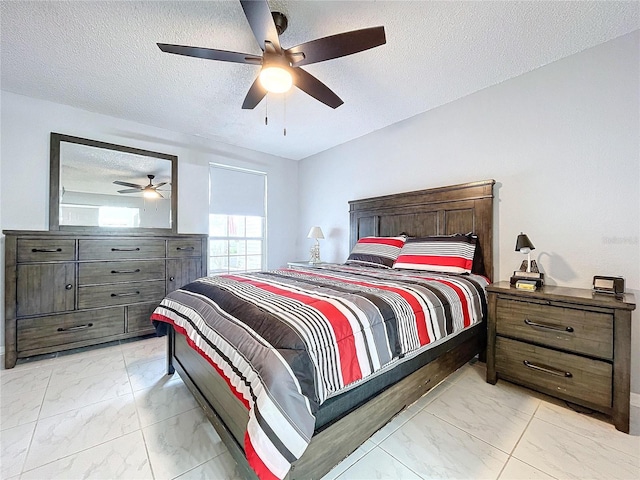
column 275, row 79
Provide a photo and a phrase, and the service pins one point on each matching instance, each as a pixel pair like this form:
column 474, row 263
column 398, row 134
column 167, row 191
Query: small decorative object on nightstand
column 315, row 233
column 304, row 263
column 528, row 269
column 566, row 342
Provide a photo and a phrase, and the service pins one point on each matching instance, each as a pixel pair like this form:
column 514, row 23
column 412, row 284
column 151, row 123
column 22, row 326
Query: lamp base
column 535, row 276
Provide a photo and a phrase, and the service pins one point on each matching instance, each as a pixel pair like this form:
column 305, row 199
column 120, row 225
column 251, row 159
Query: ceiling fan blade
column 314, row 87
column 211, row 54
column 255, row 95
column 159, row 185
column 159, row 194
column 336, row 46
column 127, row 184
column 261, row 22
column 132, row 190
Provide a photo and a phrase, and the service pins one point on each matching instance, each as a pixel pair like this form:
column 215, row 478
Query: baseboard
column 635, row 399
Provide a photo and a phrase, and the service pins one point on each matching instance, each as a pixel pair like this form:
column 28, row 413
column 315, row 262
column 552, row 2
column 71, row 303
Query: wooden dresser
column 68, row 290
column 566, row 342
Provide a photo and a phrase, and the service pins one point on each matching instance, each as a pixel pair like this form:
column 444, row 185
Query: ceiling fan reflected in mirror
column 281, row 67
column 148, row 191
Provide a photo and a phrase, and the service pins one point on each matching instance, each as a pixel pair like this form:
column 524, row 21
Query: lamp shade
column 523, row 242
column 315, row 232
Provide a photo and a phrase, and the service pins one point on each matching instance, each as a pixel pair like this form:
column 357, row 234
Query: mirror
column 97, row 186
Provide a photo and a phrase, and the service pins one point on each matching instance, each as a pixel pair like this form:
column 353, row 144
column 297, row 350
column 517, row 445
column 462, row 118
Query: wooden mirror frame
column 54, row 185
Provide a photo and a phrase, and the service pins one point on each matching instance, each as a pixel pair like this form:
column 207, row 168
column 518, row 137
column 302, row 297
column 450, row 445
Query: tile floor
column 112, row 413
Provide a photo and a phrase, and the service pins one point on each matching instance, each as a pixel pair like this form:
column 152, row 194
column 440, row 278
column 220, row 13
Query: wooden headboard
column 463, row 208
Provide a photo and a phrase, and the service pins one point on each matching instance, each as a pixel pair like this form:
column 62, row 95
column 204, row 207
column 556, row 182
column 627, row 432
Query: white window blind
column 237, row 220
column 237, row 192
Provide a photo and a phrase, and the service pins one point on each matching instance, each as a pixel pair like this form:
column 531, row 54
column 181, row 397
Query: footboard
column 334, row 443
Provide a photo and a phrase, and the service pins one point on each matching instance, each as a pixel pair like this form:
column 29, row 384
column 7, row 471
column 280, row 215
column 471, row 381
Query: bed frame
column 439, row 211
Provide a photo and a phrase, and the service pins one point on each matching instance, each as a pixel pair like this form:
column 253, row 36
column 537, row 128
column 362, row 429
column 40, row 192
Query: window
column 237, row 220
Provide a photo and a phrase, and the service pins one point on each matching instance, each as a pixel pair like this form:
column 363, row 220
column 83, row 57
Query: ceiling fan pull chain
column 266, row 109
column 285, row 115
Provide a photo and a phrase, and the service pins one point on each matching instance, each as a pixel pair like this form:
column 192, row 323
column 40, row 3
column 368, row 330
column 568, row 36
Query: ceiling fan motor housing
column 280, row 19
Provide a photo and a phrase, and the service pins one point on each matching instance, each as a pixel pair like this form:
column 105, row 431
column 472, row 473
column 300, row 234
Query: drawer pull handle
column 68, row 286
column 545, row 369
column 558, row 328
column 46, row 250
column 77, row 327
column 137, row 249
column 185, row 248
column 171, row 279
column 137, row 270
column 132, row 294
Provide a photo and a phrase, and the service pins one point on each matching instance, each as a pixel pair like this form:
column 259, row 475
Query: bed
column 333, row 417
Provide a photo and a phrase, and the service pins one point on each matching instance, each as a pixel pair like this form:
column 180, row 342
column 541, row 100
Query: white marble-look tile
column 23, row 379
column 345, row 464
column 71, row 394
column 73, row 367
column 481, row 416
column 147, row 374
column 435, row 449
column 508, row 394
column 378, row 464
column 410, row 411
column 149, row 349
column 20, row 408
column 593, row 427
column 164, row 400
column 123, row 458
column 14, row 444
column 517, row 470
column 567, row 455
column 70, row 432
column 180, row 443
column 222, row 467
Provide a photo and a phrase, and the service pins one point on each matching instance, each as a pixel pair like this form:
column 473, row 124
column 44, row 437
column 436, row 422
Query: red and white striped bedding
column 286, row 340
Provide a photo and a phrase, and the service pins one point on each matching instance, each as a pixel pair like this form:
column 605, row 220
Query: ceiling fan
column 149, row 191
column 281, row 67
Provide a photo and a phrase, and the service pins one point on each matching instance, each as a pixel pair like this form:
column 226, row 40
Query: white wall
column 24, row 162
column 562, row 142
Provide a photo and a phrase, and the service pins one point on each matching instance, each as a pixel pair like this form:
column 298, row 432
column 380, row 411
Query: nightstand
column 566, row 342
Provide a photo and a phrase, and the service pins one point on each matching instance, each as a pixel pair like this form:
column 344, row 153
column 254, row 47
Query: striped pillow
column 376, row 251
column 448, row 254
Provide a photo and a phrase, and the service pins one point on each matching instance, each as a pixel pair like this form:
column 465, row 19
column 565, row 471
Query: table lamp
column 316, row 234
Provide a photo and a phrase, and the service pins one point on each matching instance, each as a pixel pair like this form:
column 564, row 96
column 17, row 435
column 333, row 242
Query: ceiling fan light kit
column 148, row 191
column 281, row 67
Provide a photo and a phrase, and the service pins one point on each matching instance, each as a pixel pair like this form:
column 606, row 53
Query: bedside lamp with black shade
column 528, row 269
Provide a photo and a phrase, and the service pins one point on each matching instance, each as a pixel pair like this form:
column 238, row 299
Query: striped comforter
column 286, row 340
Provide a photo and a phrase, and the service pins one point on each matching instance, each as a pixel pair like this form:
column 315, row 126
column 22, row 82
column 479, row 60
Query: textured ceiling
column 102, row 56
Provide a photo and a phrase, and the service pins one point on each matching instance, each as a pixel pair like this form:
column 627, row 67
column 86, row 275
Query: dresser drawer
column 580, row 331
column 184, row 248
column 44, row 332
column 114, row 249
column 139, row 317
column 120, row 294
column 116, row 272
column 46, row 250
column 556, row 373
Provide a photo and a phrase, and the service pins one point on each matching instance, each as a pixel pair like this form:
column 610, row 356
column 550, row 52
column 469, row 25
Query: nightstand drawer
column 579, row 331
column 557, row 373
